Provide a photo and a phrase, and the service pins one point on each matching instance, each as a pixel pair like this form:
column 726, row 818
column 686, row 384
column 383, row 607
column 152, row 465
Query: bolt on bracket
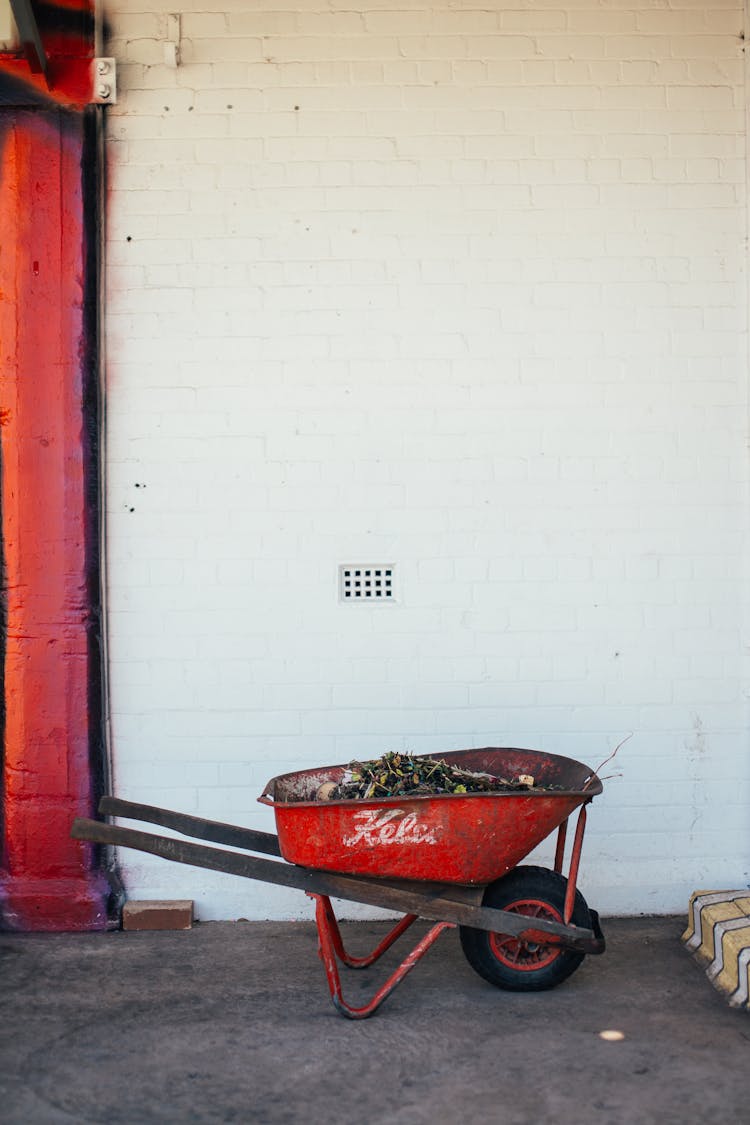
column 103, row 81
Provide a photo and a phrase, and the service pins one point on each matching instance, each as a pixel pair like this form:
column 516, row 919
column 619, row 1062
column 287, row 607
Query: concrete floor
column 231, row 1022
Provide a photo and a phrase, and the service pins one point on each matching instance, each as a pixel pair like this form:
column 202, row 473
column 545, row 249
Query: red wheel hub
column 526, row 956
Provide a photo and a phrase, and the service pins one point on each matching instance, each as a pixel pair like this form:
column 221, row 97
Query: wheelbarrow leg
column 327, row 948
column 362, row 962
column 560, row 849
column 575, row 861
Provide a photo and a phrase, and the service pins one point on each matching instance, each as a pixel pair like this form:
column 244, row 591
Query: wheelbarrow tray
column 469, row 839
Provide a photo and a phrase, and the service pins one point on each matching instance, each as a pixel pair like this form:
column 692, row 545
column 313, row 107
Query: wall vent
column 366, row 582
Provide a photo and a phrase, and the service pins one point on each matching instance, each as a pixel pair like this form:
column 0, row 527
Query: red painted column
column 47, row 881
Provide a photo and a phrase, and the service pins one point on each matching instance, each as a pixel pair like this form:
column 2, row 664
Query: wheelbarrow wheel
column 521, row 966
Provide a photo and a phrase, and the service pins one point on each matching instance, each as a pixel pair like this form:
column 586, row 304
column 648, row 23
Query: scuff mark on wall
column 696, row 747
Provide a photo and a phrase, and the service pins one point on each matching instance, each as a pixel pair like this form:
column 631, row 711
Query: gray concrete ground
column 231, row 1022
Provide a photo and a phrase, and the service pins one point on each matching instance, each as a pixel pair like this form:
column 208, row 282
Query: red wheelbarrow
column 451, row 859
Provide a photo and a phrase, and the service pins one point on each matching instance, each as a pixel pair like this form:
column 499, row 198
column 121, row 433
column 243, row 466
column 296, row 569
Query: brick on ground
column 159, row 914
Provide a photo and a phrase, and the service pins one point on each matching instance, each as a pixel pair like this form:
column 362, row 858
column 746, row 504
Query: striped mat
column 718, row 936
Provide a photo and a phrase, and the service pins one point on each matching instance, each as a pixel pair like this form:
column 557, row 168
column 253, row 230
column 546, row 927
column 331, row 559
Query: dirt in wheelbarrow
column 401, row 774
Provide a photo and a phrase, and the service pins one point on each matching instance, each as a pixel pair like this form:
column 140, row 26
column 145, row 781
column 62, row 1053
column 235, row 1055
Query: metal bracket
column 103, row 81
column 31, row 40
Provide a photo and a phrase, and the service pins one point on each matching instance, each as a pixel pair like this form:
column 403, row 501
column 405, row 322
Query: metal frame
column 330, row 946
column 71, row 76
column 30, row 38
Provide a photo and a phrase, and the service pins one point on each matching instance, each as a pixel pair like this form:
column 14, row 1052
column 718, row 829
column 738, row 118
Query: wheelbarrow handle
column 214, row 830
column 433, row 902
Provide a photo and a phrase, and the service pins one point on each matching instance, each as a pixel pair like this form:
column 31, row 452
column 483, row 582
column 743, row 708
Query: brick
column 163, row 914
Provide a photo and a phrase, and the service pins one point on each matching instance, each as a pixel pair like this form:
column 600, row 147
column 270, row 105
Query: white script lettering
column 377, row 828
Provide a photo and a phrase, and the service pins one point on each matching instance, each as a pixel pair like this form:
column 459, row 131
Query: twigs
column 395, row 775
column 608, row 759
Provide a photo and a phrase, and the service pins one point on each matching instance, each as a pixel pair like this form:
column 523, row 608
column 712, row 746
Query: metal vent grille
column 368, row 583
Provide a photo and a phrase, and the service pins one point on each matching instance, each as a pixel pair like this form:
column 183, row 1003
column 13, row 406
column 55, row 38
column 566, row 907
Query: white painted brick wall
column 461, row 289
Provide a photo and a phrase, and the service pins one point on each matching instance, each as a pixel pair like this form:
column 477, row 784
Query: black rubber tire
column 522, row 967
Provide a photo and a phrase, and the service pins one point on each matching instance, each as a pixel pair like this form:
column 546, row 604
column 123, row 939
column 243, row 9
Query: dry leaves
column 401, row 774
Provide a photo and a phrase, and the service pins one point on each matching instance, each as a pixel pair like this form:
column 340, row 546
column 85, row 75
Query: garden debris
column 400, row 775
